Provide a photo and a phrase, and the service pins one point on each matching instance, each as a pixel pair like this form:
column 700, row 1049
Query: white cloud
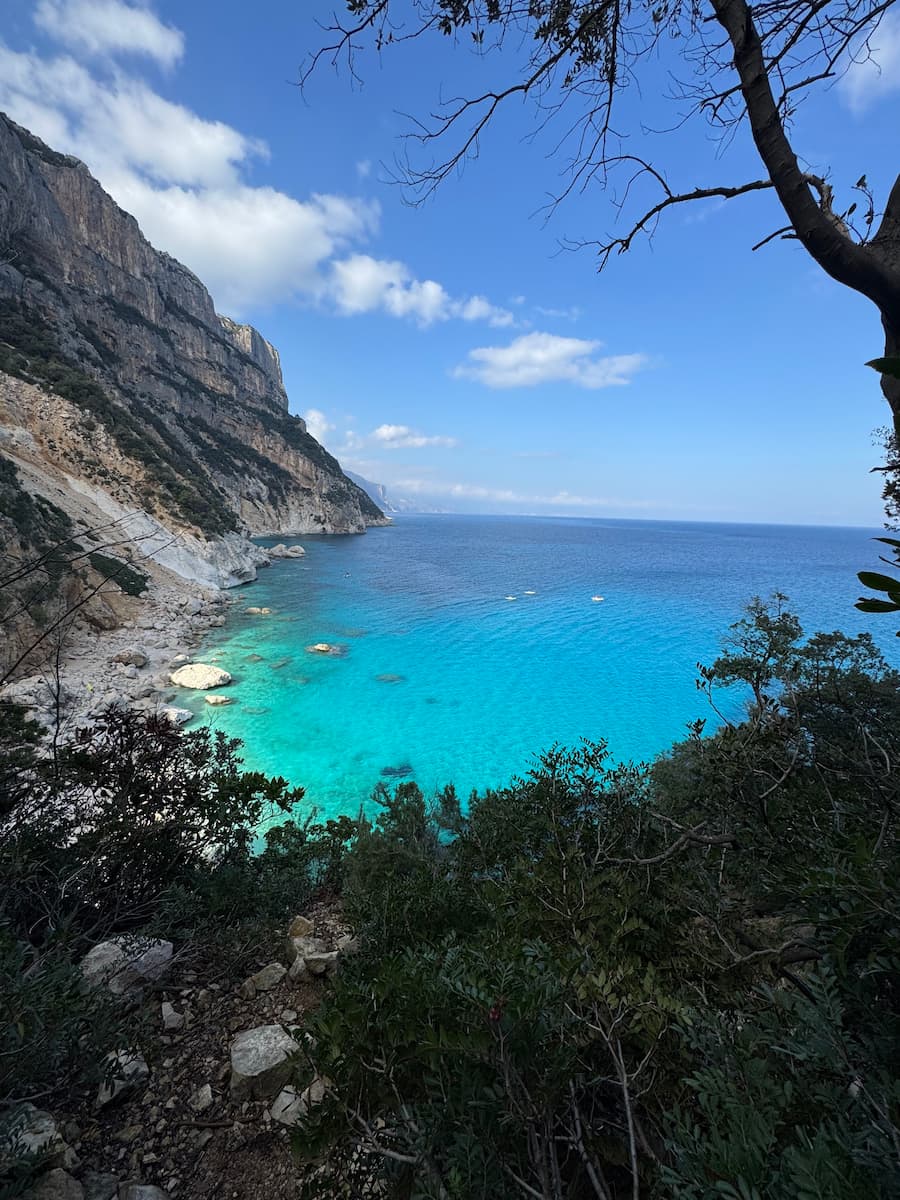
column 317, row 423
column 108, row 27
column 474, row 491
column 875, row 70
column 397, row 437
column 560, row 314
column 181, row 176
column 363, row 284
column 184, row 177
column 364, row 168
column 537, row 358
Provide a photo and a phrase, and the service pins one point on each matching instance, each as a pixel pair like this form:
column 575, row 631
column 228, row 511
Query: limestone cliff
column 119, row 379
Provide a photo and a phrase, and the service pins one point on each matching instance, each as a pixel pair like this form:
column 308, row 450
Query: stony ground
column 171, row 1134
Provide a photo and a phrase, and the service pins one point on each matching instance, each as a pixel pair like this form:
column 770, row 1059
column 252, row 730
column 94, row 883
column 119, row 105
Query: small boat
column 510, row 597
column 596, row 598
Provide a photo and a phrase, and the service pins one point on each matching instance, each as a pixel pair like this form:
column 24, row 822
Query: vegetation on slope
column 599, row 981
column 29, row 349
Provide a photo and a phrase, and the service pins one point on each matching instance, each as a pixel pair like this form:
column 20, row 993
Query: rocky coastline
column 131, row 665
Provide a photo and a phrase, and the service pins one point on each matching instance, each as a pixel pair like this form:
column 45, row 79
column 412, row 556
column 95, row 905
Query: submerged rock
column 387, row 678
column 398, row 772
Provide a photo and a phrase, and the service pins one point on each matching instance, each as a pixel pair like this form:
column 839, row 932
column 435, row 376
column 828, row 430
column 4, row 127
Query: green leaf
column 878, row 582
column 864, row 604
column 885, row 366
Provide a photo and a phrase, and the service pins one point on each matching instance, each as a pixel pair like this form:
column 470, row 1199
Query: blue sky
column 452, row 351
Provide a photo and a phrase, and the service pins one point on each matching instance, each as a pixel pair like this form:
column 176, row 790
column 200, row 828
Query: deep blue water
column 475, row 684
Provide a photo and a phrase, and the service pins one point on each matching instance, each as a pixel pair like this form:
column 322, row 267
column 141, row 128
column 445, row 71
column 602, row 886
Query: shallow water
column 439, row 676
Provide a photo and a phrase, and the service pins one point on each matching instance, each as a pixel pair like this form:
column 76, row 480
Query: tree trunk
column 872, row 269
column 886, row 244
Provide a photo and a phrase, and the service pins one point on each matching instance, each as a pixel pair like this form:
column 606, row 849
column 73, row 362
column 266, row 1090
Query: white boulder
column 200, row 675
column 260, row 1062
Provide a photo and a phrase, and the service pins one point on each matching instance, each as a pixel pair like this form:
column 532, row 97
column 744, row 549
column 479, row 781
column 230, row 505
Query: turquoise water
column 441, row 678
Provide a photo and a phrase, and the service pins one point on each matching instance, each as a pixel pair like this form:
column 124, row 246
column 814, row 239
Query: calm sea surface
column 444, row 677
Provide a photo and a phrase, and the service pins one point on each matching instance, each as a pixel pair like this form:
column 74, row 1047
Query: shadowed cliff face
column 148, row 394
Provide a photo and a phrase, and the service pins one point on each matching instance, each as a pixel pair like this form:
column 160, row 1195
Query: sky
column 455, row 350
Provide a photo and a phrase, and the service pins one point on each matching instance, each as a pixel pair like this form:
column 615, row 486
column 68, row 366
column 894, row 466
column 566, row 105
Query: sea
column 464, row 646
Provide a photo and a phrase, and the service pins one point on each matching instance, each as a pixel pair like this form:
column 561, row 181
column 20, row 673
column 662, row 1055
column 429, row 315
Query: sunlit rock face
column 188, row 421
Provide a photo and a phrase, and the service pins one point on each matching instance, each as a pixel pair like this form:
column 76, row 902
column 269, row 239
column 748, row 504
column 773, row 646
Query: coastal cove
column 439, row 675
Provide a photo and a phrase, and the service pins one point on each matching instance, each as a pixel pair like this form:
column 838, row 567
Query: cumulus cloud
column 363, row 284
column 875, row 71
column 317, row 423
column 185, row 177
column 110, row 27
column 537, row 358
column 401, row 437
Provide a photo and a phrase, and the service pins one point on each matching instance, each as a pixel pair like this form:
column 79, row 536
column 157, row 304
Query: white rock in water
column 294, row 552
column 200, row 675
column 178, row 716
column 260, row 1062
column 218, row 701
column 126, row 964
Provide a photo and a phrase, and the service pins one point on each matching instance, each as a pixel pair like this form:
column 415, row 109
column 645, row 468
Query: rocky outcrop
column 117, row 374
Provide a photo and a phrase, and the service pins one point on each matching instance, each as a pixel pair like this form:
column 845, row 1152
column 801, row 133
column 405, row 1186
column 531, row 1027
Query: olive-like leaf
column 878, row 583
column 864, row 604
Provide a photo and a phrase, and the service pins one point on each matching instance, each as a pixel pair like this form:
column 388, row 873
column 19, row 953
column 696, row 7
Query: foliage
column 599, row 981
column 109, row 833
column 30, row 350
column 132, row 582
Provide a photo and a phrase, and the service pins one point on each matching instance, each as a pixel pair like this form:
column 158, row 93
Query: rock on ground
column 55, row 1185
column 260, row 1062
column 126, row 964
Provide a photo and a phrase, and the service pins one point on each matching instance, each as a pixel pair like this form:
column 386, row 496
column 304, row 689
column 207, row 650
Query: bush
column 601, row 981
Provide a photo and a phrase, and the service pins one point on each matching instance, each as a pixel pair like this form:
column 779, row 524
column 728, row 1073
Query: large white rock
column 200, row 675
column 260, row 1062
column 126, row 964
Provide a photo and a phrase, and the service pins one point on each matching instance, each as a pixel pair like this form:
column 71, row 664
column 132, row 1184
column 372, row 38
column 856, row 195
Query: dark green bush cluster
column 44, row 534
column 606, row 982
column 133, row 825
column 132, row 582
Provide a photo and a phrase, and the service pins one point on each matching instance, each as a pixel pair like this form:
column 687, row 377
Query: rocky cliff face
column 118, row 377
